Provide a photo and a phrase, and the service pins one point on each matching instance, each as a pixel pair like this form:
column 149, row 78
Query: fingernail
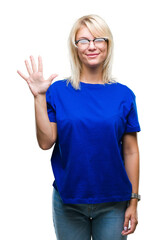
column 125, row 228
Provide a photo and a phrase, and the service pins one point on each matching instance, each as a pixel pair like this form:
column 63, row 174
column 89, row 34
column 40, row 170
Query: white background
column 35, row 28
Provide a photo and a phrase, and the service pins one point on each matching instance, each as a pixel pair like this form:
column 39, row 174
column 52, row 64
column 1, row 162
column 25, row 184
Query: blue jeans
column 101, row 221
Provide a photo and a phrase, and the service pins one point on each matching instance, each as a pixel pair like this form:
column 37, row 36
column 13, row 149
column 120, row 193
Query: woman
column 93, row 122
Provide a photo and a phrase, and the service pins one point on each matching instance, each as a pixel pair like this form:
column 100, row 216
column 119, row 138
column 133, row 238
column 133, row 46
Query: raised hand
column 36, row 82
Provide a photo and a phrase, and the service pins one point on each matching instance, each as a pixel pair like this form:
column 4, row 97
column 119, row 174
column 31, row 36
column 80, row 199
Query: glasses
column 84, row 43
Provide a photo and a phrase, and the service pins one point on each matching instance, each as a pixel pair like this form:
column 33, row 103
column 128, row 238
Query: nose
column 92, row 45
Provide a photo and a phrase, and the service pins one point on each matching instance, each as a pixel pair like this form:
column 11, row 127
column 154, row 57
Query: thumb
column 51, row 78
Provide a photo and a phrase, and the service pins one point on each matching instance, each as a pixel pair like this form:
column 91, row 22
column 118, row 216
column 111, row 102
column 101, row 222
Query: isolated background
column 35, row 28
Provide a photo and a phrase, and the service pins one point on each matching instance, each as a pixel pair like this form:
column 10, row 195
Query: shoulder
column 124, row 90
column 58, row 83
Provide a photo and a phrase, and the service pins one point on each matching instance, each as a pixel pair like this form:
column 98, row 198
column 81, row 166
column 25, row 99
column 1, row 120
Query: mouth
column 92, row 55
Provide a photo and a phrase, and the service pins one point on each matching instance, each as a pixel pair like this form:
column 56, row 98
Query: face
column 92, row 55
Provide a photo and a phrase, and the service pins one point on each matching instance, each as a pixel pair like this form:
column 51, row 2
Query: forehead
column 84, row 32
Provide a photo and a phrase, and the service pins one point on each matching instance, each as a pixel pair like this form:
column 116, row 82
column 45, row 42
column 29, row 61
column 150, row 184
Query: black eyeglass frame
column 105, row 39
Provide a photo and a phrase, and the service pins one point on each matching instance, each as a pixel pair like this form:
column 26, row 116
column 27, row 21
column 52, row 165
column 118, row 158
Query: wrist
column 135, row 197
column 133, row 202
column 40, row 98
column 40, row 101
column 40, row 95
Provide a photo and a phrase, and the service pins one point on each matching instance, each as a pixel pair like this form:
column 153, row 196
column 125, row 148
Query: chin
column 94, row 64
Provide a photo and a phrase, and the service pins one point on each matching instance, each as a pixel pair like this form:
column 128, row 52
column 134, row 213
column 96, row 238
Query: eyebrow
column 83, row 38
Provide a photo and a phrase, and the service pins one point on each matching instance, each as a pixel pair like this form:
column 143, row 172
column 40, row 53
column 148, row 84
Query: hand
column 130, row 216
column 35, row 81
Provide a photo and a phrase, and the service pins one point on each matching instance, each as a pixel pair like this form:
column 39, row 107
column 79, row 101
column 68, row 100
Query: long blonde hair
column 98, row 27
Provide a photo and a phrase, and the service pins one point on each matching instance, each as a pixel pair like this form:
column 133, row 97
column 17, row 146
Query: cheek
column 104, row 53
column 81, row 55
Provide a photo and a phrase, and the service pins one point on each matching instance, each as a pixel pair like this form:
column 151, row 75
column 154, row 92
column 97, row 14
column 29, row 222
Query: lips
column 92, row 54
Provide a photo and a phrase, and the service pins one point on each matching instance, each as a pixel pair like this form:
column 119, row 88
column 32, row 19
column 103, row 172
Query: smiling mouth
column 92, row 55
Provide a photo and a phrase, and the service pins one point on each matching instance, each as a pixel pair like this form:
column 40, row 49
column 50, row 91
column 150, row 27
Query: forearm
column 132, row 169
column 43, row 127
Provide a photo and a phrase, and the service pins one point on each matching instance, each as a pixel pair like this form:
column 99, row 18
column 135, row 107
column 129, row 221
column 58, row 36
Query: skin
column 92, row 60
column 91, row 63
column 131, row 159
column 46, row 131
column 92, row 73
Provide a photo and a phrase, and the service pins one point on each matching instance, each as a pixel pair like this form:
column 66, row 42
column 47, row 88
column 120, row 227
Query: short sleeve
column 51, row 107
column 132, row 124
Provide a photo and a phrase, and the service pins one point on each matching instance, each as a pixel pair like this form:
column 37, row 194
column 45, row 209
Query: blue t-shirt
column 87, row 158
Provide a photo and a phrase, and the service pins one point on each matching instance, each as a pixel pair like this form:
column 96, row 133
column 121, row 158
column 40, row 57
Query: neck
column 91, row 75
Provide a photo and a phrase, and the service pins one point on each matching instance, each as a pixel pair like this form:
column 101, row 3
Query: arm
column 46, row 131
column 131, row 159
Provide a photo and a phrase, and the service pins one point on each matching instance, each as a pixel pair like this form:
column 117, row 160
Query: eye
column 83, row 41
column 99, row 40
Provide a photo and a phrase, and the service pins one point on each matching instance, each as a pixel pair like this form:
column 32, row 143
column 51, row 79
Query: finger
column 22, row 75
column 125, row 227
column 131, row 229
column 51, row 78
column 40, row 65
column 34, row 68
column 133, row 225
column 126, row 223
column 28, row 67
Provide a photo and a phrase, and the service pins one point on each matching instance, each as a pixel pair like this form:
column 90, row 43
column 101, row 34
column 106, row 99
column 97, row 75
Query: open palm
column 36, row 81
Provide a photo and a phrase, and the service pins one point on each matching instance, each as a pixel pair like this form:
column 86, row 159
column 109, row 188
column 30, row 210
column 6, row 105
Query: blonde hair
column 98, row 28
